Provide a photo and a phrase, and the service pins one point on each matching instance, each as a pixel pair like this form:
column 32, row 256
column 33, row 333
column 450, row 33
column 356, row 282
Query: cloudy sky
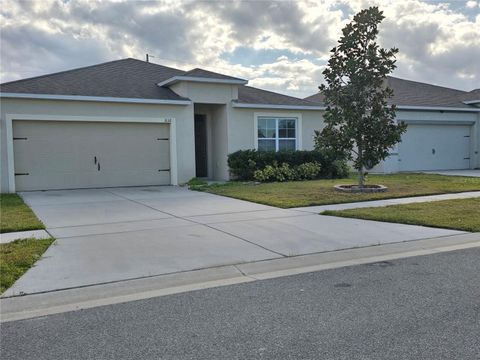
column 278, row 45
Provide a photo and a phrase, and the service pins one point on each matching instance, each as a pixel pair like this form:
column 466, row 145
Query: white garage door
column 435, row 147
column 69, row 155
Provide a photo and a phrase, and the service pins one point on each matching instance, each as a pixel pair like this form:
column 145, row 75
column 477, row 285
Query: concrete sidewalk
column 387, row 202
column 12, row 236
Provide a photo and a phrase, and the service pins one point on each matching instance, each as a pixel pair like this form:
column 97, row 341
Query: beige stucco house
column 443, row 130
column 131, row 123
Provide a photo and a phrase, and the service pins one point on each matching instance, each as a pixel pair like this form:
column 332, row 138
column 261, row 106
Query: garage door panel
column 435, row 147
column 62, row 155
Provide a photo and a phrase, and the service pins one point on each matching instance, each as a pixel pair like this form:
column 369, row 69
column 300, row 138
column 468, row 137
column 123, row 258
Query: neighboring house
column 129, row 122
column 443, row 127
column 132, row 123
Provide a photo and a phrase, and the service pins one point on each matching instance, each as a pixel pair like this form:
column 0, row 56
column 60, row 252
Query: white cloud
column 472, row 4
column 438, row 43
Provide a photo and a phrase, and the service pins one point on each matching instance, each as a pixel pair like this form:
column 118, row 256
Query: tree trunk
column 361, row 177
column 361, row 171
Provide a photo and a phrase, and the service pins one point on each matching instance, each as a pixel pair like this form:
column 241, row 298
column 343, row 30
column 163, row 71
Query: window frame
column 277, row 117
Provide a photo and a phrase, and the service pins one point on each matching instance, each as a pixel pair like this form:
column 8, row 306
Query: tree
column 360, row 125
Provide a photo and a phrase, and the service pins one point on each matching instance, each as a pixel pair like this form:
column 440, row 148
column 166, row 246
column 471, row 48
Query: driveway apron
column 109, row 235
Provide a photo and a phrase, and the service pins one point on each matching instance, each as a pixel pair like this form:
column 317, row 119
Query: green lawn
column 461, row 214
column 16, row 216
column 321, row 192
column 17, row 257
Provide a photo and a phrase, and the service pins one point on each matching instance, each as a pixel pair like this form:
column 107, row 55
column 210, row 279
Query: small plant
column 196, row 183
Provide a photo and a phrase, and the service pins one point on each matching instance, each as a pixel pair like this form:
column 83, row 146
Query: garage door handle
column 98, row 166
column 95, row 159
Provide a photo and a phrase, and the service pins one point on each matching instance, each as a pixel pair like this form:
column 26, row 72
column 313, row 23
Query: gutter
column 437, row 108
column 94, row 98
column 470, row 102
column 279, row 107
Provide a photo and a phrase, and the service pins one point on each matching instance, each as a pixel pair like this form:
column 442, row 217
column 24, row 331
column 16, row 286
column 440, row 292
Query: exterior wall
column 125, row 112
column 206, row 93
column 241, row 131
column 220, row 143
column 391, row 164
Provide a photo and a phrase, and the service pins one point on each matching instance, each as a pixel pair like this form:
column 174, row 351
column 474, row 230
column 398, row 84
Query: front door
column 201, row 145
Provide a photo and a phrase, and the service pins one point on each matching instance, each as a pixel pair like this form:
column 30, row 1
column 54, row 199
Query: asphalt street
column 416, row 308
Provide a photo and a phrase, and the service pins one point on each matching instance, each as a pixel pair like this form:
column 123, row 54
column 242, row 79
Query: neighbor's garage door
column 69, row 155
column 435, row 147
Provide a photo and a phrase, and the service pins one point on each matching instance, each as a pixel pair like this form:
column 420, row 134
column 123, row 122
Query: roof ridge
column 428, row 84
column 83, row 68
column 211, row 72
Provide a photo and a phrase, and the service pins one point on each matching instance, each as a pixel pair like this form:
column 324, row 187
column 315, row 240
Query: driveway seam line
column 210, row 227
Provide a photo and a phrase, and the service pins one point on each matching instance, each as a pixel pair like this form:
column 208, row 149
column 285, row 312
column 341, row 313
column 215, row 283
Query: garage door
column 435, row 147
column 69, row 155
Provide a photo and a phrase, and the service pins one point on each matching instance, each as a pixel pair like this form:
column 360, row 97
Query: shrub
column 244, row 163
column 308, row 171
column 275, row 173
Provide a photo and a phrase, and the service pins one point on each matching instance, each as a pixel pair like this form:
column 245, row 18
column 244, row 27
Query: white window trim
column 9, row 118
column 298, row 127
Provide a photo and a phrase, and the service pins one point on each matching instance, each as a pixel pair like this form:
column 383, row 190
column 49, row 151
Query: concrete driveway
column 108, row 235
column 472, row 172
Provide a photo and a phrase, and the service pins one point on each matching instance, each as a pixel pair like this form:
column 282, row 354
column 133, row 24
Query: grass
column 17, row 257
column 460, row 214
column 16, row 216
column 321, row 192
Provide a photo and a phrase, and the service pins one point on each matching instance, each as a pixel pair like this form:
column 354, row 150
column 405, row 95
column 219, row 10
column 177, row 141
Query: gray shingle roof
column 472, row 95
column 413, row 93
column 251, row 95
column 131, row 78
column 126, row 78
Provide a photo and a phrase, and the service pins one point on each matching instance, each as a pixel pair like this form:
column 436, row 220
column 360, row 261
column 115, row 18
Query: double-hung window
column 277, row 133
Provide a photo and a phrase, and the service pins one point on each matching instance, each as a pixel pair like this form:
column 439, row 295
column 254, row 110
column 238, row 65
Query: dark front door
column 201, row 145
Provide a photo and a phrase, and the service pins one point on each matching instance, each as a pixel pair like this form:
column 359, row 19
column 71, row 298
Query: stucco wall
column 182, row 114
column 241, row 126
column 219, row 143
column 206, row 93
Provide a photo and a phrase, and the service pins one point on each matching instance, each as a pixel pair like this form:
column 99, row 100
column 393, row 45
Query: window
column 276, row 134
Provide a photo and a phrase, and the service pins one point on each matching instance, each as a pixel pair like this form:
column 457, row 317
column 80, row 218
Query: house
column 130, row 122
column 134, row 123
column 443, row 130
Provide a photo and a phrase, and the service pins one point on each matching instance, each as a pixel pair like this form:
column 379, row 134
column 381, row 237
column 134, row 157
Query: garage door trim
column 33, row 117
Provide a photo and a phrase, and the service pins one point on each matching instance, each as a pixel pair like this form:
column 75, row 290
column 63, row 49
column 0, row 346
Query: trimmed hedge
column 244, row 163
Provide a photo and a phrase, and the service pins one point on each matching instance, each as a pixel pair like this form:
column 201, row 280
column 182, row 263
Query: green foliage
column 359, row 122
column 17, row 257
column 196, row 182
column 275, row 173
column 16, row 216
column 284, row 172
column 308, row 171
column 244, row 163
